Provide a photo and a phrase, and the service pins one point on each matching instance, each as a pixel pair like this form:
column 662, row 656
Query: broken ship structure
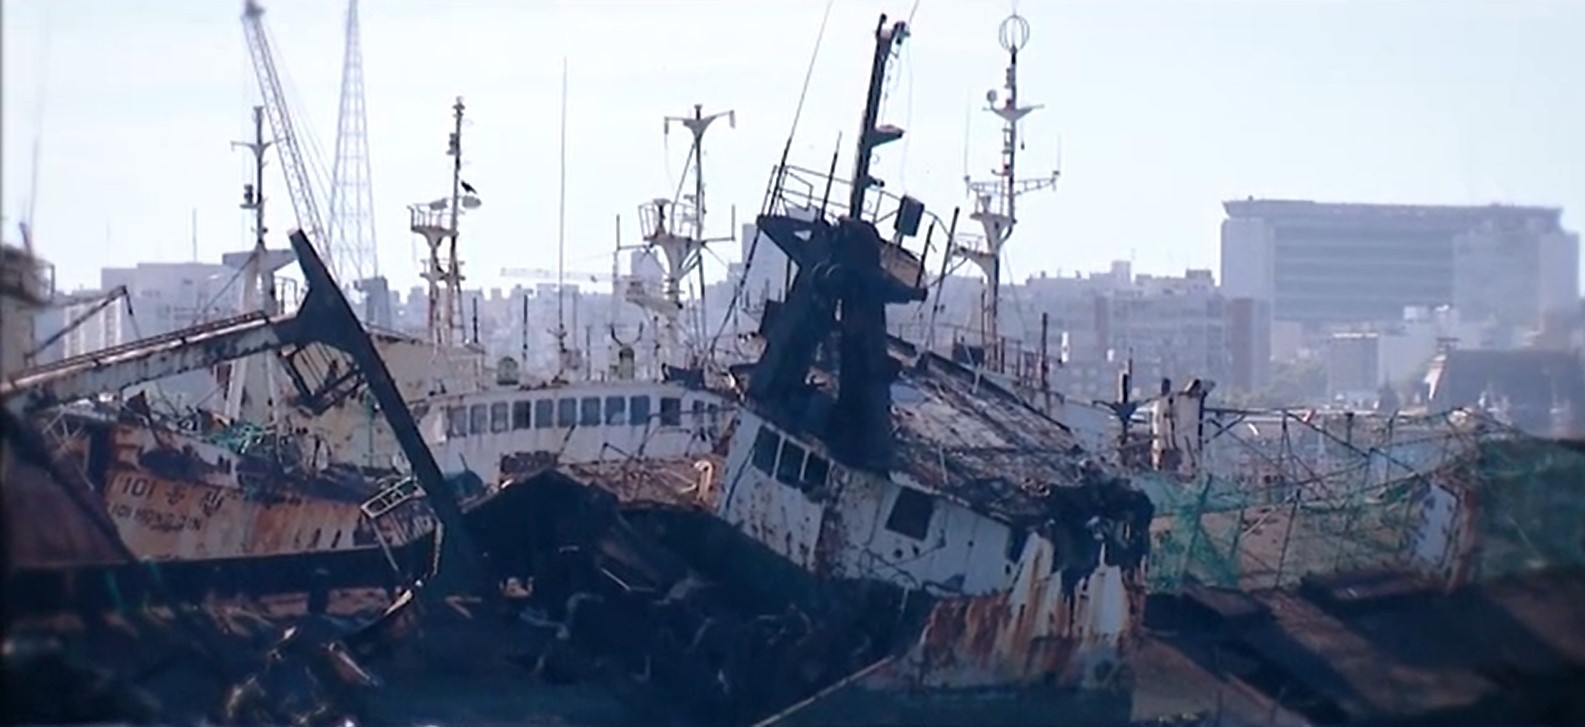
column 177, row 496
column 861, row 458
column 894, row 537
column 76, row 588
column 979, row 566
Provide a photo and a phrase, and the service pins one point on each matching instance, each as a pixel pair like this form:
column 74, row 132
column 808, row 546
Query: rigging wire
column 770, row 191
column 1018, row 306
column 249, row 95
column 202, row 311
column 306, row 138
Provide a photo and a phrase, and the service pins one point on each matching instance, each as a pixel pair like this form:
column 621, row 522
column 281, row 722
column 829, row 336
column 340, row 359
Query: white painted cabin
column 988, row 500
column 577, row 422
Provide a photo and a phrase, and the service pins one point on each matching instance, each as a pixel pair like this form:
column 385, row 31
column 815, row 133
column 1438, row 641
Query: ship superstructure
column 863, row 459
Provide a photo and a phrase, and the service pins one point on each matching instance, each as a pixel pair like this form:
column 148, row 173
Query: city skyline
column 1150, row 105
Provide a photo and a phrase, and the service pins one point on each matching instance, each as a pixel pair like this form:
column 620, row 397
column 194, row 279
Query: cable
column 201, row 311
column 803, row 93
column 908, row 116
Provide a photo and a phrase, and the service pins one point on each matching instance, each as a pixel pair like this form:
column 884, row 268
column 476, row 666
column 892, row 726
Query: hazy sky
column 1157, row 110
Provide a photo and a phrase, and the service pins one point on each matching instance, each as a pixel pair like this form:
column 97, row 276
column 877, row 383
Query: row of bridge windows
column 911, row 512
column 568, row 412
column 794, row 466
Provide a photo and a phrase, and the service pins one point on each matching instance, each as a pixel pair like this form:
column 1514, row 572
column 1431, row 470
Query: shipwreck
column 940, row 550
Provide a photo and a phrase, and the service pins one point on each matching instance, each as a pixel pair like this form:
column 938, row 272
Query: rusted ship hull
column 175, row 497
column 1038, row 654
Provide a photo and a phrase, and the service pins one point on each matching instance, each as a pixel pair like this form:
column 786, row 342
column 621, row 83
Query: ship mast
column 454, row 270
column 437, row 221
column 995, row 199
column 566, row 358
column 257, row 267
column 681, row 238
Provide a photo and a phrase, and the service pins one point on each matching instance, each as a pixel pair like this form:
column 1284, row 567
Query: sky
column 1155, row 110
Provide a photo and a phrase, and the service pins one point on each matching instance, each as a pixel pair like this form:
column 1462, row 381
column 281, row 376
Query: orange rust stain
column 1003, row 639
column 169, row 519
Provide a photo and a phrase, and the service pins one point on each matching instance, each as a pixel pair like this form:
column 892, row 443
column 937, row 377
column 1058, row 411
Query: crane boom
column 299, row 185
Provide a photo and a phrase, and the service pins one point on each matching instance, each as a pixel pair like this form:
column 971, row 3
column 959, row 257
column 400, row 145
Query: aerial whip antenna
column 561, row 232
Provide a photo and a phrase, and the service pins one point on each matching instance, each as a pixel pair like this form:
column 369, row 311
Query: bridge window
column 816, row 471
column 670, row 411
column 1016, row 538
column 478, row 419
column 615, row 410
column 589, row 412
column 500, row 419
column 566, row 413
column 520, row 414
column 911, row 513
column 697, row 414
column 791, row 464
column 715, row 415
column 456, row 421
column 765, row 445
column 638, row 411
column 544, row 413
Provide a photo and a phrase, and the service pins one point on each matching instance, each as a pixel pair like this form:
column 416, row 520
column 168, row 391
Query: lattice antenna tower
column 995, row 199
column 351, row 185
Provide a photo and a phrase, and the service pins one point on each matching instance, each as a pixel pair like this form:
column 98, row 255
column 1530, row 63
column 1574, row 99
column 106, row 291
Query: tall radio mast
column 995, row 199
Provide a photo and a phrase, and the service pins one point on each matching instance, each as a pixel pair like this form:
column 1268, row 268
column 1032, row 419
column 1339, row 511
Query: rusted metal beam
column 324, row 317
column 336, row 325
column 79, row 377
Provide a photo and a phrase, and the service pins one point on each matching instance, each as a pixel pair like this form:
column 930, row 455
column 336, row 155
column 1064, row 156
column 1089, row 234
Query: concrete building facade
column 1324, row 265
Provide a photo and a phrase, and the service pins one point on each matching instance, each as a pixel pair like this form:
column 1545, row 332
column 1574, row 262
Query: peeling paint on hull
column 1036, row 633
column 162, row 519
column 173, row 497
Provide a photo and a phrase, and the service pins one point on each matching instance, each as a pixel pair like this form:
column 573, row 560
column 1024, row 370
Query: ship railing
column 663, row 216
column 391, row 498
column 967, row 243
column 808, row 194
column 1015, row 357
column 800, row 190
column 425, row 219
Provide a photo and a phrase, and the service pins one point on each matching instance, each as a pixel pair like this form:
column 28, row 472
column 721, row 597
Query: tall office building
column 1341, row 264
